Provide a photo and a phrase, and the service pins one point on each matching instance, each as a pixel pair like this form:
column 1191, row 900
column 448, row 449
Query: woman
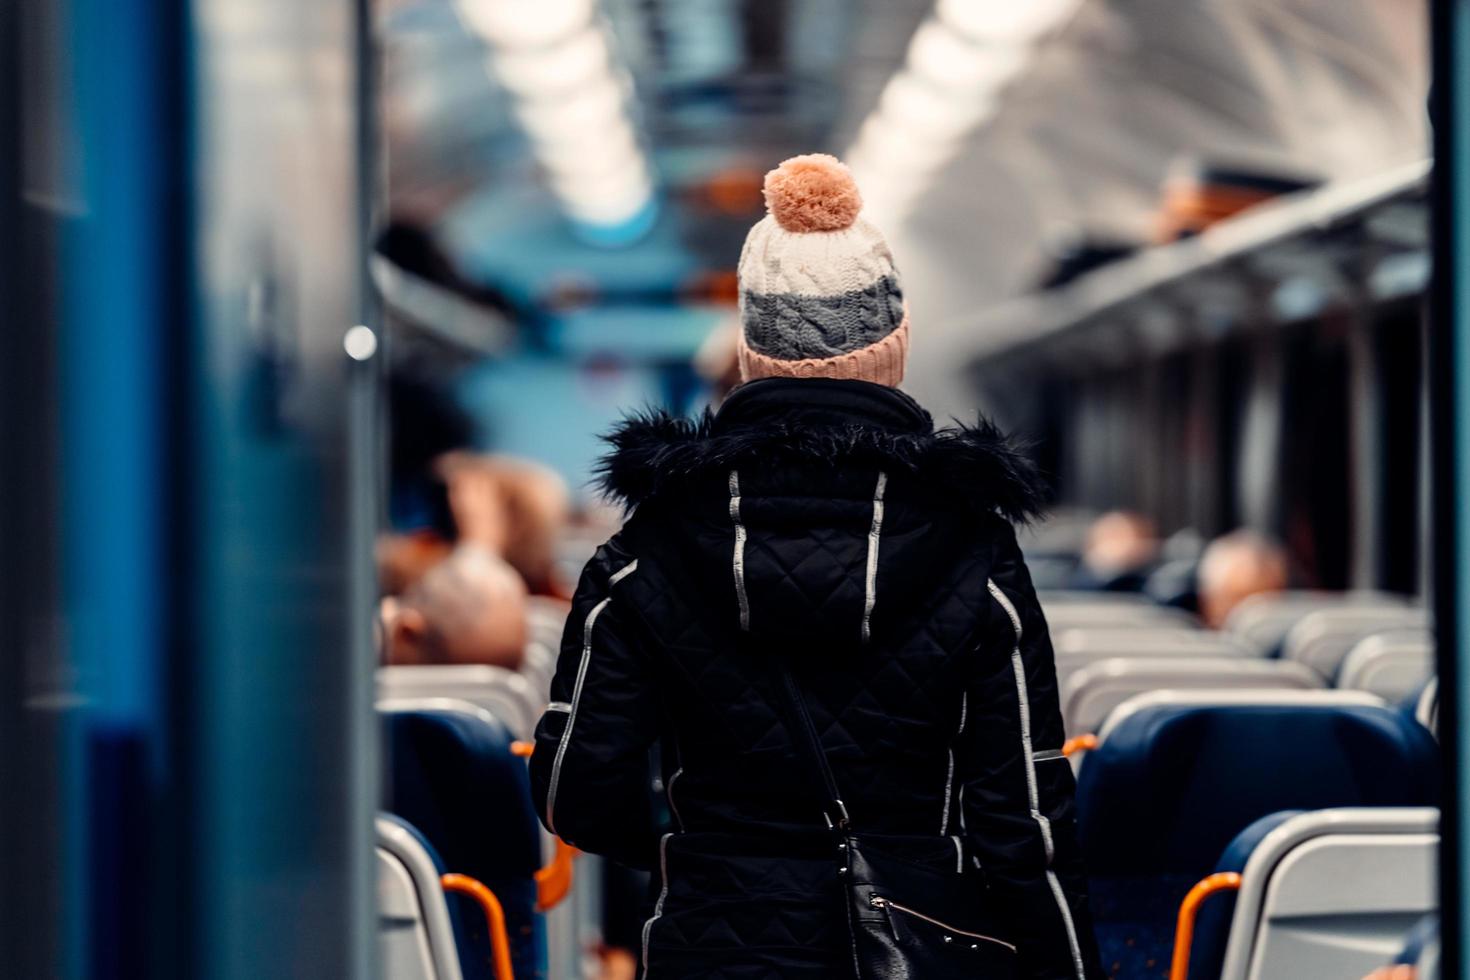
column 816, row 526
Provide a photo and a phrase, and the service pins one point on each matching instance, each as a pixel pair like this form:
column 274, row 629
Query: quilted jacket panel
column 912, row 627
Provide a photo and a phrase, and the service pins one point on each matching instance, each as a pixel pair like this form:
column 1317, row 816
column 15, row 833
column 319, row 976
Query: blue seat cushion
column 453, row 777
column 1133, row 917
column 1419, row 937
column 1172, row 785
column 1212, row 924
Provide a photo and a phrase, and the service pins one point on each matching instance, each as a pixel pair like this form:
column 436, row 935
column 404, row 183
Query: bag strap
column 799, row 720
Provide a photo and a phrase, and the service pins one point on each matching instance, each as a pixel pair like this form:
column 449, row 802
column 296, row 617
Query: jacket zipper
column 879, row 902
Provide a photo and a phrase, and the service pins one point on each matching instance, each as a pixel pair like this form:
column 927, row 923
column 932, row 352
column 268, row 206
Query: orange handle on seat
column 1189, row 910
column 494, row 918
column 1082, row 743
column 554, row 881
column 1400, row 972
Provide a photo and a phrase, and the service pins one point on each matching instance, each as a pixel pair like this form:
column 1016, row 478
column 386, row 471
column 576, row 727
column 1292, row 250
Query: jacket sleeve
column 1018, row 792
column 590, row 775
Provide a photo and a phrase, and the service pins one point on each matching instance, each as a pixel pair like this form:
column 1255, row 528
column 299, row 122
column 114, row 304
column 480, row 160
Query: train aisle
column 606, row 489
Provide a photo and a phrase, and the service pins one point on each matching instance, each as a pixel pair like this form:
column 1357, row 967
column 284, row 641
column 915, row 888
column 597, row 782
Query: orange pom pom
column 814, row 192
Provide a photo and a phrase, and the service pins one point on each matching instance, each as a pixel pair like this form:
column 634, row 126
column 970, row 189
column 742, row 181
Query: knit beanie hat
column 819, row 296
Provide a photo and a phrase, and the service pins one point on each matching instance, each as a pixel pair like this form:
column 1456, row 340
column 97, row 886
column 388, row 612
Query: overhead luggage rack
column 1280, row 263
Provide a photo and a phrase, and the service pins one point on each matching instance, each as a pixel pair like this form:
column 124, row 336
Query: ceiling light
column 525, row 23
column 948, row 60
column 587, row 110
column 596, row 152
column 538, row 73
column 915, row 106
column 1004, row 20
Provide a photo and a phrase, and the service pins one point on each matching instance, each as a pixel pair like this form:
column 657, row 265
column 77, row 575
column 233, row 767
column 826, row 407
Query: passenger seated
column 1233, row 568
column 1122, row 548
column 468, row 609
column 515, row 507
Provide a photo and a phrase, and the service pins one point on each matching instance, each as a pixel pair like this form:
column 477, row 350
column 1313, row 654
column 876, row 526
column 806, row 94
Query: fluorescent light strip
column 525, row 23
column 958, row 61
column 1004, row 20
column 571, row 98
column 540, row 73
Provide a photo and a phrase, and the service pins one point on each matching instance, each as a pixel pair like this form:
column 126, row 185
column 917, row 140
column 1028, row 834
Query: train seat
column 1092, row 692
column 1395, row 666
column 1177, row 774
column 1326, row 893
column 538, row 668
column 546, row 618
column 1265, row 619
column 1075, row 610
column 1426, row 706
column 416, row 938
column 1076, row 649
column 452, row 774
column 506, row 694
column 1322, row 639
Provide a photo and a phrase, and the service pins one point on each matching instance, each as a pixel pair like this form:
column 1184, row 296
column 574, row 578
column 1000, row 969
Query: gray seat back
column 538, row 667
column 1067, row 610
column 1092, row 692
column 1331, row 893
column 1265, row 619
column 1322, row 639
column 415, row 939
column 1395, row 666
column 1426, row 709
column 1079, row 648
column 545, row 621
column 504, row 693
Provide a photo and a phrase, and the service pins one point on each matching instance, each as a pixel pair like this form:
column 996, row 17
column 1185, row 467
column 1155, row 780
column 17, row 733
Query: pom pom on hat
column 814, row 192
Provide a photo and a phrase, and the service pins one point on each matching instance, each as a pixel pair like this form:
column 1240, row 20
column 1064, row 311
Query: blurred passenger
column 816, row 546
column 1122, row 548
column 424, row 424
column 1234, row 567
column 517, row 508
column 1174, row 581
column 469, row 608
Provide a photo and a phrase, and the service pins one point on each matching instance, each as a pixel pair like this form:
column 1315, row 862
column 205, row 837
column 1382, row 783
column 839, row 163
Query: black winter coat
column 827, row 523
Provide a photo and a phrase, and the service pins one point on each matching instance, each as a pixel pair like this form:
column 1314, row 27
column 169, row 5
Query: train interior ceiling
column 318, row 313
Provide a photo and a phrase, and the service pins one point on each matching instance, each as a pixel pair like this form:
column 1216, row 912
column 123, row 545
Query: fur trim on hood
column 653, row 451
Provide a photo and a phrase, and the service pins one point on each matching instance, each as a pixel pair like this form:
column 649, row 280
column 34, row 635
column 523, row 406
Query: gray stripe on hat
column 790, row 327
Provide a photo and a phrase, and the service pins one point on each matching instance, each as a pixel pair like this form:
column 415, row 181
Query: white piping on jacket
column 663, row 893
column 739, row 556
column 1023, row 699
column 669, row 795
column 875, row 534
column 566, row 734
column 949, row 776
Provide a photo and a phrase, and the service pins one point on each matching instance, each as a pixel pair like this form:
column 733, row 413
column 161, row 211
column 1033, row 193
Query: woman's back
column 779, row 543
column 818, row 525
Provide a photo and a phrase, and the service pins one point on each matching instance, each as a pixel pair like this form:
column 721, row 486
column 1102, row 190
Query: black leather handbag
column 915, row 912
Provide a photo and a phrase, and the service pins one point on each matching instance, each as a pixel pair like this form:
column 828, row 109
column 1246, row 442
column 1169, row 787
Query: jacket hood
column 776, row 421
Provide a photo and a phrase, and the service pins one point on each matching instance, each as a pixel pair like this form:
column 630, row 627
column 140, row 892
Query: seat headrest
column 454, row 777
column 1173, row 784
